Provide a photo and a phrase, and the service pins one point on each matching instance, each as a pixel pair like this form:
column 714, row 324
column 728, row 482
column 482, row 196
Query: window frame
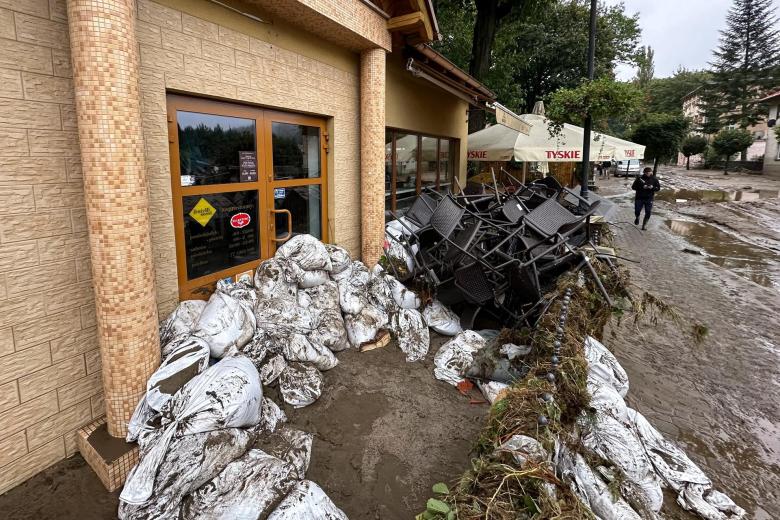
column 201, row 287
column 454, row 147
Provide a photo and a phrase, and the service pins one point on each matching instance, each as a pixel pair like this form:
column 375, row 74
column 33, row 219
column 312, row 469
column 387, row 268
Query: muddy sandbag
column 283, row 317
column 493, row 390
column 273, row 280
column 181, row 321
column 243, row 291
column 694, row 489
column 190, row 462
column 592, row 491
column 289, row 445
column 412, row 333
column 300, row 384
column 339, row 259
column 327, row 322
column 616, row 443
column 246, row 489
column 353, row 288
column 189, row 359
column 603, row 364
column 307, row 252
column 297, row 347
column 143, row 413
column 524, row 449
column 307, row 501
column 226, row 395
column 271, row 418
column 442, row 319
column 272, row 369
column 493, row 363
column 364, row 326
column 308, row 279
column 455, row 357
column 225, row 322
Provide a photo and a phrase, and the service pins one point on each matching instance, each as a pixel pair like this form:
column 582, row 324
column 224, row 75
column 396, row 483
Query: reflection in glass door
column 243, row 180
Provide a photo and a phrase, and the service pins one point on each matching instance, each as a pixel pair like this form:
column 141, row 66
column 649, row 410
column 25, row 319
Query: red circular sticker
column 240, row 220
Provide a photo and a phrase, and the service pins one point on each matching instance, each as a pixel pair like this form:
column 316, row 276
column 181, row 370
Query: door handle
column 289, row 225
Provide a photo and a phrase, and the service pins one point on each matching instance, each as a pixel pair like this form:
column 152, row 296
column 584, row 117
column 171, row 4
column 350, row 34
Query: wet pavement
column 720, row 400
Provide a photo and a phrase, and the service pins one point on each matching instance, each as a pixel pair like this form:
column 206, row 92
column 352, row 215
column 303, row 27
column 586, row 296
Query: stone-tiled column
column 372, row 153
column 105, row 72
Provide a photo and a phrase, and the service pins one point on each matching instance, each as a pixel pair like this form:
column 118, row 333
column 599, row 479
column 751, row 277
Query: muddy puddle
column 681, row 195
column 747, row 260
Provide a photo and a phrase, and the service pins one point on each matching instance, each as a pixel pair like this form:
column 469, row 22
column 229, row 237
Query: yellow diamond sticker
column 202, row 212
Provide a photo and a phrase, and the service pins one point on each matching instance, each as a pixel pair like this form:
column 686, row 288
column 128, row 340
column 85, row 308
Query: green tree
column 661, row 134
column 605, row 99
column 746, row 62
column 646, row 71
column 665, row 95
column 692, row 145
column 542, row 50
column 730, row 141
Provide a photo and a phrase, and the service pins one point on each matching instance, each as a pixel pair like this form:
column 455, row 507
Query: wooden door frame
column 200, row 287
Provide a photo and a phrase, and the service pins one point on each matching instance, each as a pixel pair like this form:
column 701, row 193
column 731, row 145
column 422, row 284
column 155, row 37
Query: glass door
column 296, row 174
column 243, row 180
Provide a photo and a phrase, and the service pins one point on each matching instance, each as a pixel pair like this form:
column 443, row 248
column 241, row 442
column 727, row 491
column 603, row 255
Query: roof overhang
column 409, row 21
column 771, row 97
column 424, row 62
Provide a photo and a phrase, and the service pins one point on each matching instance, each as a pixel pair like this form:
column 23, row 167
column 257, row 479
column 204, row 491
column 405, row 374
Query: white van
column 627, row 168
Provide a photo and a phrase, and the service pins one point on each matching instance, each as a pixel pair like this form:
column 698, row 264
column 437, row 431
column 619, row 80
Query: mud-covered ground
column 720, row 400
column 385, row 432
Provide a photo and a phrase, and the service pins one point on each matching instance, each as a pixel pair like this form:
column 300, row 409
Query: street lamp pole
column 588, row 118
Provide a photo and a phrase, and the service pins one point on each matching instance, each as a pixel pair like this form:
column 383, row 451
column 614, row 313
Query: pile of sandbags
column 646, row 461
column 203, row 425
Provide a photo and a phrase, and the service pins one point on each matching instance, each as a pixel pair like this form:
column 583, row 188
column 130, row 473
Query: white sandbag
column 289, row 445
column 283, row 316
column 524, row 449
column 606, row 400
column 190, row 462
column 596, row 353
column 225, row 322
column 339, row 258
column 245, row 490
column 256, row 350
column 181, row 321
column 442, row 319
column 300, row 384
column 142, row 414
column 190, row 358
column 328, row 324
column 591, row 489
column 272, row 369
column 226, row 395
column 242, row 291
column 680, row 473
column 307, row 252
column 307, row 501
column 364, row 326
column 492, row 390
column 273, row 280
column 618, row 444
column 455, row 357
column 271, row 417
column 309, row 279
column 353, row 288
column 404, row 298
column 297, row 347
column 412, row 333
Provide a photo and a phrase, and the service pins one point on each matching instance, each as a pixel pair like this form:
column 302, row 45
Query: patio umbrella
column 500, row 143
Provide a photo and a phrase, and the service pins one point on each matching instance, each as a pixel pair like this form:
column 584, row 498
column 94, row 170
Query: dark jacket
column 645, row 187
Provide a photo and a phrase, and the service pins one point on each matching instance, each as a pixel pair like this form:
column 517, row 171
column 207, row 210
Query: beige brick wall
column 49, row 363
column 198, row 48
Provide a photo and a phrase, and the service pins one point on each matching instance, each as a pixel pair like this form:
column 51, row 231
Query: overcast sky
column 682, row 32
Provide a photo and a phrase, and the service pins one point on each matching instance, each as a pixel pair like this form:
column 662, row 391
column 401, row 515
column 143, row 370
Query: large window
column 414, row 162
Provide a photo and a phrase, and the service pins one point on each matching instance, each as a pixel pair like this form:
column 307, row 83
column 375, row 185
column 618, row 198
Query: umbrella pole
column 525, row 170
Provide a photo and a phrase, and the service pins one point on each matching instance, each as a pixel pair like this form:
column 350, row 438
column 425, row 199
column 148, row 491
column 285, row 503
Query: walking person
column 645, row 187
